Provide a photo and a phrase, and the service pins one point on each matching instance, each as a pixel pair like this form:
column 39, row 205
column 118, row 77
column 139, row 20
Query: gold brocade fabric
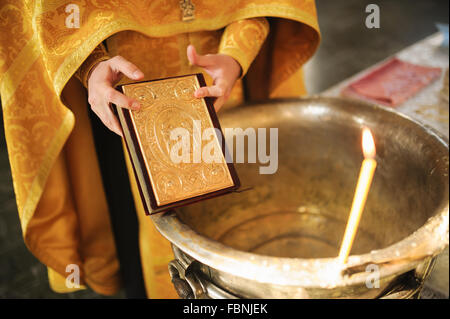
column 84, row 71
column 166, row 57
column 59, row 194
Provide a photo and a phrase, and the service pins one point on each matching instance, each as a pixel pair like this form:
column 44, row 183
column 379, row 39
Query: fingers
column 119, row 99
column 101, row 92
column 219, row 103
column 100, row 100
column 197, row 59
column 214, row 91
column 120, row 64
column 219, row 90
column 107, row 117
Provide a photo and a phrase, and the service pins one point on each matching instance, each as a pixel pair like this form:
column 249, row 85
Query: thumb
column 197, row 59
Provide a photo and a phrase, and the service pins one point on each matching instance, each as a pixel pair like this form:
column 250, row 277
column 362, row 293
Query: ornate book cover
column 169, row 106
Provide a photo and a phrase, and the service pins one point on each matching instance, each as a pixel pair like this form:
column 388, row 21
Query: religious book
column 175, row 144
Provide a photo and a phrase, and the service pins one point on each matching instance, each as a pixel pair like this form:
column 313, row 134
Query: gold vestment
column 56, row 178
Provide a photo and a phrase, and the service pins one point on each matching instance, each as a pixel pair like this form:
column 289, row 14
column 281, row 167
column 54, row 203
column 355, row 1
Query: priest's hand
column 101, row 90
column 224, row 71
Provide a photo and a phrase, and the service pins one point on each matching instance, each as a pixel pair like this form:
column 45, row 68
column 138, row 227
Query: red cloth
column 393, row 82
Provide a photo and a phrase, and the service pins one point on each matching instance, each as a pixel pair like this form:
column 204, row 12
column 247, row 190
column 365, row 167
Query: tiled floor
column 347, row 48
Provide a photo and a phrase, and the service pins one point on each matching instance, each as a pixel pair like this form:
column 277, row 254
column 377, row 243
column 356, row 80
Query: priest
column 76, row 194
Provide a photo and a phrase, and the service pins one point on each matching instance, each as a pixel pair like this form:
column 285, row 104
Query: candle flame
column 368, row 144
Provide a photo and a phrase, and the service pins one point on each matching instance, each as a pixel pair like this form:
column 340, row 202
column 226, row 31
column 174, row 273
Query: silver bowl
column 281, row 238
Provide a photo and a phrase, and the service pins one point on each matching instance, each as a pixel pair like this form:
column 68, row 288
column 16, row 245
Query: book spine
column 134, row 160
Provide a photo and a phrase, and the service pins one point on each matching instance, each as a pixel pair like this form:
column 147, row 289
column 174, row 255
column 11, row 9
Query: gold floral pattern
column 172, row 105
column 166, row 57
column 98, row 55
column 243, row 39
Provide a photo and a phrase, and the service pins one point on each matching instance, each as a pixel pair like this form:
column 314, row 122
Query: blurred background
column 347, row 47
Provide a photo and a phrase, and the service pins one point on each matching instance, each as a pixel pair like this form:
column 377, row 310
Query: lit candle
column 362, row 189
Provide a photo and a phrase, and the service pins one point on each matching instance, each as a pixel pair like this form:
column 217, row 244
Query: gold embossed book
column 175, row 144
